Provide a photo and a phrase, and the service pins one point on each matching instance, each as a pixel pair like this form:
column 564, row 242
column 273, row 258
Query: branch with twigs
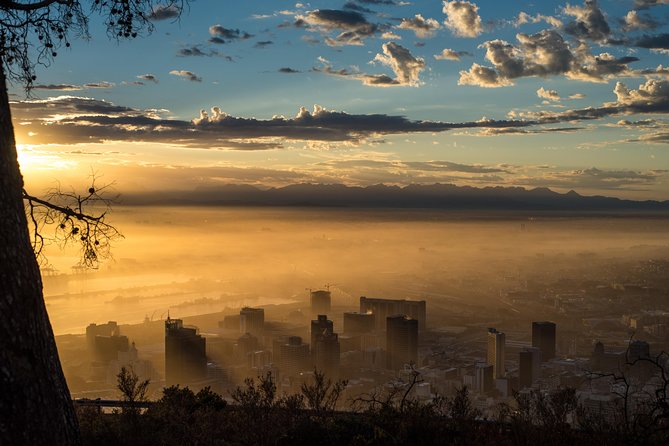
column 79, row 219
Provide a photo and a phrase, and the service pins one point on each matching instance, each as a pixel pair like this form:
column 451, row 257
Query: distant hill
column 436, row 196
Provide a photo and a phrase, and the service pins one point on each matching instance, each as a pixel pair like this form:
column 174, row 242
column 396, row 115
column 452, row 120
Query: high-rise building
column 496, row 347
column 401, row 341
column 294, row 356
column 320, row 301
column 185, row 353
column 356, row 323
column 107, row 348
column 543, row 338
column 252, row 320
column 382, row 308
column 483, row 376
column 318, row 327
column 327, row 353
column 111, row 328
column 529, row 367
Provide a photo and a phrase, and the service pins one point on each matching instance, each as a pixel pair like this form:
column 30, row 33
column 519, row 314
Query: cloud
column 656, row 41
column 462, row 18
column 423, row 28
column 543, row 54
column 80, row 120
column 645, row 4
column 524, row 18
column 449, row 54
column 589, row 22
column 220, row 34
column 148, row 77
column 164, row 12
column 551, row 95
column 288, row 70
column 353, row 26
column 576, row 96
column 633, row 20
column 62, row 87
column 263, row 44
column 196, row 51
column 594, row 178
column 188, row 75
column 406, row 67
column 70, row 87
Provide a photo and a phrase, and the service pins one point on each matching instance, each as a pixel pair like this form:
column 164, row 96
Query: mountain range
column 435, row 196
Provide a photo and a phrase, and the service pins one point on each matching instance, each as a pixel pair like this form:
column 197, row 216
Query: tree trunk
column 35, row 403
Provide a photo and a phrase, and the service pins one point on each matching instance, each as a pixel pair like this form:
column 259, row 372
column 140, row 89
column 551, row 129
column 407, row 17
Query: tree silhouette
column 35, row 407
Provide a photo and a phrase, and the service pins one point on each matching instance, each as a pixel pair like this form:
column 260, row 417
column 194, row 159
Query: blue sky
column 545, row 94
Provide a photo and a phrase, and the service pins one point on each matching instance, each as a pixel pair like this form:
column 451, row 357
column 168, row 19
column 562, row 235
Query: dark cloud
column 74, row 120
column 633, row 20
column 288, row 70
column 656, row 41
column 353, row 25
column 589, row 22
column 645, row 4
column 164, row 12
column 196, row 51
column 594, row 178
column 220, row 34
column 356, row 7
column 148, row 77
column 263, row 44
column 61, row 87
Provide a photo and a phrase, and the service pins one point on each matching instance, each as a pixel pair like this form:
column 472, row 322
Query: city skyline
column 559, row 95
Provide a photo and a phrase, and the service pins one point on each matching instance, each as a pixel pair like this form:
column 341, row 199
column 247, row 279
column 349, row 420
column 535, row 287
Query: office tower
column 294, row 356
column 543, row 338
column 401, row 341
column 382, row 308
column 107, row 348
column 320, row 301
column 111, row 328
column 484, row 381
column 246, row 343
column 529, row 367
column 318, row 327
column 185, row 353
column 252, row 320
column 496, row 345
column 327, row 353
column 359, row 323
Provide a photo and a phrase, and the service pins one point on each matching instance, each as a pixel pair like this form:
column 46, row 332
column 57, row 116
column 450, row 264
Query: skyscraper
column 529, row 365
column 185, row 353
column 543, row 338
column 318, row 327
column 358, row 323
column 252, row 320
column 496, row 346
column 327, row 353
column 320, row 301
column 401, row 341
column 294, row 356
column 382, row 308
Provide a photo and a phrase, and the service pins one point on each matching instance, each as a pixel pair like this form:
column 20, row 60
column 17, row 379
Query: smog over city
column 362, row 222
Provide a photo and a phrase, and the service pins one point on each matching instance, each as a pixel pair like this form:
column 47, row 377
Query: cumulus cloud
column 406, row 67
column 543, row 54
column 353, row 27
column 524, row 18
column 188, row 75
column 645, row 4
column 462, row 18
column 148, row 77
column 449, row 54
column 633, row 20
column 220, row 34
column 423, row 28
column 551, row 95
column 164, row 12
column 589, row 22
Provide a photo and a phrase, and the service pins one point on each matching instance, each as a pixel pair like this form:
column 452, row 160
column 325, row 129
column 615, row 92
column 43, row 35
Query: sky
column 569, row 96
